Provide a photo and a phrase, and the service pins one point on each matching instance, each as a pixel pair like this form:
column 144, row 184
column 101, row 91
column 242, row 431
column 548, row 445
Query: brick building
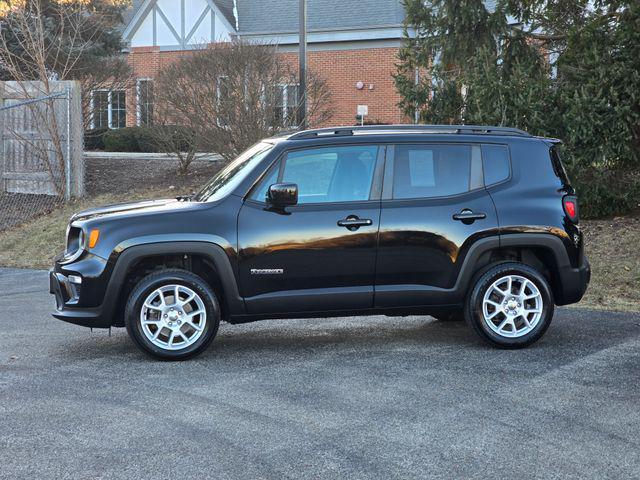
column 352, row 45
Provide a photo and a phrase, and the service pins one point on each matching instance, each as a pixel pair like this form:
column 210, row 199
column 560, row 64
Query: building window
column 144, row 94
column 100, row 108
column 108, row 109
column 285, row 101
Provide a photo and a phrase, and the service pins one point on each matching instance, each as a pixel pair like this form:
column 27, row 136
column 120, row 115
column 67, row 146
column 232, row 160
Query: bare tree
column 232, row 95
column 43, row 41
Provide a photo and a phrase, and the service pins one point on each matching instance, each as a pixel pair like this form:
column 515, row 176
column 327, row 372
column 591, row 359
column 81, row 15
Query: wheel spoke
column 147, row 304
column 188, row 300
column 190, row 315
column 176, row 295
column 503, row 324
column 523, row 287
column 494, row 304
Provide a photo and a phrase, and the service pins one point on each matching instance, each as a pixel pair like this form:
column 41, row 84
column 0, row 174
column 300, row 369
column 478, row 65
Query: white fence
column 41, row 138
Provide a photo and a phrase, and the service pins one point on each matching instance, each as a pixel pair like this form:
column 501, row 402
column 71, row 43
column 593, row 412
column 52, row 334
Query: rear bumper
column 574, row 282
column 67, row 296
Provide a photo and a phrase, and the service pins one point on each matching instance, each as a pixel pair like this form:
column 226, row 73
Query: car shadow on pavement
column 295, row 336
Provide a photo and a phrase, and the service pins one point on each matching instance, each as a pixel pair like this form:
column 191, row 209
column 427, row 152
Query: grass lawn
column 612, row 247
column 35, row 243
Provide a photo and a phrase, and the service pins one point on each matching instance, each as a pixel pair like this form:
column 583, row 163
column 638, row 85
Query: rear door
column 320, row 254
column 434, row 207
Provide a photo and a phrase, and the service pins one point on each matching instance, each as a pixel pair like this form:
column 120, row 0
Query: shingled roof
column 280, row 16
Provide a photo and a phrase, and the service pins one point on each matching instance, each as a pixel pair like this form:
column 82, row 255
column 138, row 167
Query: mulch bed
column 119, row 176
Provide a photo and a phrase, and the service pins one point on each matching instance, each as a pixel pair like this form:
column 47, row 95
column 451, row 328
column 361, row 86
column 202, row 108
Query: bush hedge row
column 166, row 138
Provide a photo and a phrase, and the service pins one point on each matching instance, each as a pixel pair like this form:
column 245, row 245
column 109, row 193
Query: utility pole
column 302, row 75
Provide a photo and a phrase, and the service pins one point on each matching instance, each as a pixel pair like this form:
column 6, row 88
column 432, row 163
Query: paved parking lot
column 342, row 398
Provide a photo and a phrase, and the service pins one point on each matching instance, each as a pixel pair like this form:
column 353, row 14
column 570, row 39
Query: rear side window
column 495, row 162
column 428, row 171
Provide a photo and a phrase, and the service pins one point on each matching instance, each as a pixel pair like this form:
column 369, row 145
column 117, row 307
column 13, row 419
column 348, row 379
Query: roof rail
column 424, row 129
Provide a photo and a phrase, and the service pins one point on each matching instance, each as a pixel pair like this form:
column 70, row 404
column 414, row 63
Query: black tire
column 473, row 308
column 157, row 280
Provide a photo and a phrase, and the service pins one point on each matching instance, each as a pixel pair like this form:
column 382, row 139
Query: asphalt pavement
column 348, row 398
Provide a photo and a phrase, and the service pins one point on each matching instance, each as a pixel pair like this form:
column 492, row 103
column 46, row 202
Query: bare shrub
column 234, row 94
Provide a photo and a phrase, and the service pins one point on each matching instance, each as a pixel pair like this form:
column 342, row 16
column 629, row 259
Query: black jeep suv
column 452, row 221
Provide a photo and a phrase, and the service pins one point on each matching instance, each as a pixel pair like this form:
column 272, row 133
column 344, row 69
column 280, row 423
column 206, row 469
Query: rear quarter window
column 558, row 167
column 496, row 163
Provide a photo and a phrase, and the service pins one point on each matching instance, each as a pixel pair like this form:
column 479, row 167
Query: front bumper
column 60, row 287
column 81, row 304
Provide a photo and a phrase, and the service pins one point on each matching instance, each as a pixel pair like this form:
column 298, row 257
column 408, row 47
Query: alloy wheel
column 173, row 317
column 512, row 306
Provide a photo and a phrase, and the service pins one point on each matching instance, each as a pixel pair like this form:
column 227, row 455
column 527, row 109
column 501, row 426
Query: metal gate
column 41, row 139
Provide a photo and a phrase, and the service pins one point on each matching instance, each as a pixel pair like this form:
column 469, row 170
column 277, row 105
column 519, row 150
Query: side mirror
column 283, row 194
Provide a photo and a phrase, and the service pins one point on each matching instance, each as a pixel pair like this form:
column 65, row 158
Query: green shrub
column 94, row 138
column 152, row 139
column 122, row 140
column 605, row 193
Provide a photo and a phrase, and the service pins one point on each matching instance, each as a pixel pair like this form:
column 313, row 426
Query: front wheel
column 172, row 314
column 510, row 305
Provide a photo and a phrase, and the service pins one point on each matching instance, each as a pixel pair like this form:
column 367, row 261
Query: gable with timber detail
column 178, row 24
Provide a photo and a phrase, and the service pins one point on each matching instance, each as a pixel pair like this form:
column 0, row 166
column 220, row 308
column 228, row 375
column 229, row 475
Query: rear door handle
column 469, row 216
column 353, row 222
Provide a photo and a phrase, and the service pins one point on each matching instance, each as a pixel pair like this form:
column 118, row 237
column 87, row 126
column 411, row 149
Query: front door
column 434, row 207
column 320, row 254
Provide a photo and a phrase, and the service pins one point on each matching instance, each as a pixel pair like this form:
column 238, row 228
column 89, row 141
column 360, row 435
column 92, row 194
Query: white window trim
column 284, row 87
column 109, row 107
column 138, row 109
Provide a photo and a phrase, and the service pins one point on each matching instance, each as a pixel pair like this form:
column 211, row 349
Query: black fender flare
column 125, row 258
column 548, row 241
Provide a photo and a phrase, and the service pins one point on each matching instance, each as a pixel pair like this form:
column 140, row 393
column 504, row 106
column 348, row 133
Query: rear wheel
column 172, row 314
column 510, row 305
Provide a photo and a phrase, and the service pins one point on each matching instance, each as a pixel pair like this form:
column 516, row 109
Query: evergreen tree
column 564, row 69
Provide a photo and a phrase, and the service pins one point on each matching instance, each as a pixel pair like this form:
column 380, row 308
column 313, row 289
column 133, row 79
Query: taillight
column 570, row 204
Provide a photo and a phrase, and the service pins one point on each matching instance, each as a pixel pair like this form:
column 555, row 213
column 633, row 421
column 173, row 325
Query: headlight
column 75, row 244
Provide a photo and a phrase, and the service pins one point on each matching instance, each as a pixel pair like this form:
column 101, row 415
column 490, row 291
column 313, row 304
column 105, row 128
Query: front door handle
column 352, row 222
column 467, row 216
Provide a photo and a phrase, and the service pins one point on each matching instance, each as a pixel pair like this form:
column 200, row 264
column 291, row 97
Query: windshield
column 227, row 179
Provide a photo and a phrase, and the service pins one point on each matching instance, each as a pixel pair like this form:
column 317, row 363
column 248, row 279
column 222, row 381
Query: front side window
column 109, row 109
column 429, row 171
column 325, row 175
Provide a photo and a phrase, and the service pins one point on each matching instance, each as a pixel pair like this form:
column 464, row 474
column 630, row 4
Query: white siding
column 144, row 35
column 192, row 24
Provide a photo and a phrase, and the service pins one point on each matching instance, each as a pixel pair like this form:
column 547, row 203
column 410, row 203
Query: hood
column 135, row 208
